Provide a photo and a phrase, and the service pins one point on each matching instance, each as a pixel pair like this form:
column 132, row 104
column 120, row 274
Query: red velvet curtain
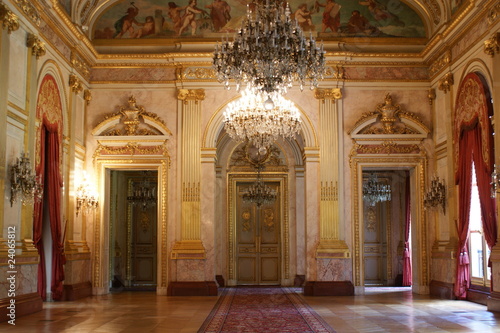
column 49, row 167
column 407, row 274
column 467, row 147
column 38, row 220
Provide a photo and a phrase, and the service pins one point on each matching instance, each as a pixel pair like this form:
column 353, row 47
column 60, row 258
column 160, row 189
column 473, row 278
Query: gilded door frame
column 417, row 166
column 282, row 179
column 101, row 260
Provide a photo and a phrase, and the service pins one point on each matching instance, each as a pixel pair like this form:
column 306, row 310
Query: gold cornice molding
column 79, row 64
column 191, row 95
column 441, row 62
column 332, row 93
column 446, row 82
column 9, row 20
column 75, row 83
column 492, row 45
column 30, row 11
column 36, row 45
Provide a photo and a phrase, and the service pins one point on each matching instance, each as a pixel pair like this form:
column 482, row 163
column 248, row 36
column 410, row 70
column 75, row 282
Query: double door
column 258, row 259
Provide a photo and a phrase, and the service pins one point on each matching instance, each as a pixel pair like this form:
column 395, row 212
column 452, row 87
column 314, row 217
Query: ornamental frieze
column 440, row 63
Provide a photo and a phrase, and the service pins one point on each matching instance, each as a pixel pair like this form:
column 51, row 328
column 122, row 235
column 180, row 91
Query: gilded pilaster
column 190, row 246
column 330, row 245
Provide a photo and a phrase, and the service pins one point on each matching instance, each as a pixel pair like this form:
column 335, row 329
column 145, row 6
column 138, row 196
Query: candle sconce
column 86, row 199
column 24, row 184
column 436, row 196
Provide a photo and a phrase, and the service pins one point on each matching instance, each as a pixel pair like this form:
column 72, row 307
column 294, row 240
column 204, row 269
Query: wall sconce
column 86, row 198
column 24, row 185
column 495, row 180
column 436, row 194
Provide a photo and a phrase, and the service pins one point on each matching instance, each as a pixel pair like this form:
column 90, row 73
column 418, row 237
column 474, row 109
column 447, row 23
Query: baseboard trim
column 72, row 292
column 328, row 288
column 25, row 304
column 443, row 290
column 192, row 288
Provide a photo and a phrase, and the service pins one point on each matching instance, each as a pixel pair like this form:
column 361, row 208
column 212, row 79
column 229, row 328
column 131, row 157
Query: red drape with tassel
column 52, row 187
column 407, row 274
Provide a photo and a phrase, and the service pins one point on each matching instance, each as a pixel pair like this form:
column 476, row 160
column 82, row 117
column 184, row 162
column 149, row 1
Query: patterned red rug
column 263, row 309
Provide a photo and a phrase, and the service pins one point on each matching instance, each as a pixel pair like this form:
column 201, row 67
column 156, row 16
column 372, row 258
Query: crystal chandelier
column 259, row 193
column 269, row 52
column 144, row 195
column 436, row 195
column 248, row 119
column 24, row 185
column 374, row 192
column 86, row 198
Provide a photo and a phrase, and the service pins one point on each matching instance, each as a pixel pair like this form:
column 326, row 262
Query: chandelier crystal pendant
column 259, row 193
column 374, row 191
column 269, row 52
column 249, row 119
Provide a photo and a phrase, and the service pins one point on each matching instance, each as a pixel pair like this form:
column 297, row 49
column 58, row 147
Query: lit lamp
column 86, row 198
column 436, row 195
column 24, row 185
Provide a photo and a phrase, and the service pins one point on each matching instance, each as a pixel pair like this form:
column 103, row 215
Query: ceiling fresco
column 195, row 19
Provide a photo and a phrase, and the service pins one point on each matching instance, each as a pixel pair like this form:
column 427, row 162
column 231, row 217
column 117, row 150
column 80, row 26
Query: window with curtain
column 478, row 248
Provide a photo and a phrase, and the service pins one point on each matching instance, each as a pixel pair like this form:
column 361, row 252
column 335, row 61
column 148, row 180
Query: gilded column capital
column 446, row 82
column 75, row 83
column 431, row 95
column 492, row 45
column 332, row 93
column 37, row 46
column 10, row 21
column 191, row 95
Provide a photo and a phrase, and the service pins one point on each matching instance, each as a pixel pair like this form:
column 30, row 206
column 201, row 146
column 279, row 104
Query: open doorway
column 133, row 230
column 386, row 227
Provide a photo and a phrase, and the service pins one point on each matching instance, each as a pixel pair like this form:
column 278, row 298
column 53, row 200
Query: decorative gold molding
column 87, row 96
column 80, row 65
column 191, row 95
column 440, row 63
column 75, row 83
column 446, row 82
column 337, row 73
column 431, row 95
column 494, row 14
column 492, row 45
column 188, row 249
column 37, row 46
column 195, row 73
column 435, row 10
column 10, row 21
column 333, row 93
column 30, row 10
column 332, row 249
column 131, row 148
column 329, row 192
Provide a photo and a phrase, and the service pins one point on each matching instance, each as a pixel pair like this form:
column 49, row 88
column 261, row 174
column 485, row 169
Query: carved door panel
column 144, row 247
column 375, row 244
column 258, row 259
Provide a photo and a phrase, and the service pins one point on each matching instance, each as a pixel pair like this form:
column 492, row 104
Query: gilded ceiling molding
column 87, row 96
column 435, row 10
column 333, row 93
column 337, row 73
column 431, row 95
column 492, row 45
column 37, row 46
column 494, row 14
column 191, row 95
column 10, row 21
column 446, row 82
column 75, row 83
column 80, row 65
column 440, row 63
column 30, row 10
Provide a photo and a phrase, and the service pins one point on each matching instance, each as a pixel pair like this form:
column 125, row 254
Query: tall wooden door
column 258, row 260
